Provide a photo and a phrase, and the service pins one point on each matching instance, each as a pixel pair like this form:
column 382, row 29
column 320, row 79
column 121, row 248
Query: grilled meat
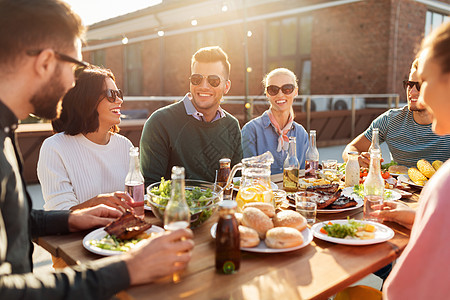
column 343, row 202
column 127, row 226
column 328, row 188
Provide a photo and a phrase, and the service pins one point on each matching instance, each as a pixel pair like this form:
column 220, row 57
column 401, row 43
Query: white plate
column 405, row 178
column 262, row 248
column 382, row 234
column 273, row 186
column 359, row 203
column 348, row 191
column 100, row 233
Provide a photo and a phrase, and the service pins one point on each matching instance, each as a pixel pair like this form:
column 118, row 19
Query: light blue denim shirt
column 259, row 136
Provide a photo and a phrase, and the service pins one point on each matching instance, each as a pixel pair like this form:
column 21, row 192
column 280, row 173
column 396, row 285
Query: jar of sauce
column 228, row 252
column 352, row 169
column 222, row 177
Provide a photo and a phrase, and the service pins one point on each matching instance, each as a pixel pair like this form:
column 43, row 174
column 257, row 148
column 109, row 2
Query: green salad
column 358, row 189
column 343, row 230
column 197, row 199
column 110, row 242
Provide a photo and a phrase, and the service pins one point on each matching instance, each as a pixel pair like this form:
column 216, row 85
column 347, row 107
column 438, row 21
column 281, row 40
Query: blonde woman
column 271, row 130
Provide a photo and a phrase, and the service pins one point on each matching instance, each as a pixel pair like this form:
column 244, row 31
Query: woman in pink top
column 423, row 269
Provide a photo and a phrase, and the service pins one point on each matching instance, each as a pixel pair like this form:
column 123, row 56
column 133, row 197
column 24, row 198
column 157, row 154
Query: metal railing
column 307, row 102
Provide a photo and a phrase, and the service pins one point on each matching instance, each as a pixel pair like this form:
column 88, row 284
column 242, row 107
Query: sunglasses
column 112, row 95
column 410, row 84
column 287, row 89
column 77, row 68
column 213, row 80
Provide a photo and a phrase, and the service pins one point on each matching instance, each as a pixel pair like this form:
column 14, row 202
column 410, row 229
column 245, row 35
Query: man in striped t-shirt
column 407, row 131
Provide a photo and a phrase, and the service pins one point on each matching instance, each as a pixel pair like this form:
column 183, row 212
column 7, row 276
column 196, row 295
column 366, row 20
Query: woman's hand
column 117, row 200
column 91, row 217
column 395, row 212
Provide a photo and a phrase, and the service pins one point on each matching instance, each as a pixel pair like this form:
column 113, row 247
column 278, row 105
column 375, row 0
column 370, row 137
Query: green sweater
column 171, row 137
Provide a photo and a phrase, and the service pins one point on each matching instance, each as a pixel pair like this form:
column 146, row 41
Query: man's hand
column 87, row 218
column 118, row 200
column 395, row 212
column 160, row 256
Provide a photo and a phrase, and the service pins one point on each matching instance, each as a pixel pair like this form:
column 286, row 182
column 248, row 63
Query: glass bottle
column 134, row 183
column 177, row 214
column 291, row 168
column 373, row 186
column 228, row 252
column 352, row 169
column 222, row 177
column 312, row 155
column 375, row 141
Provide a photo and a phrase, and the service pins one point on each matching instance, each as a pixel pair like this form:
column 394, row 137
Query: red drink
column 136, row 191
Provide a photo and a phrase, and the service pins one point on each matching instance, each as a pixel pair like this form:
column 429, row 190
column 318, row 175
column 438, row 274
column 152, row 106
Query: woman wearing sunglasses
column 271, row 130
column 86, row 161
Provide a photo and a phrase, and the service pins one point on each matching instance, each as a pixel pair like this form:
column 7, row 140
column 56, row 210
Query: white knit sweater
column 72, row 169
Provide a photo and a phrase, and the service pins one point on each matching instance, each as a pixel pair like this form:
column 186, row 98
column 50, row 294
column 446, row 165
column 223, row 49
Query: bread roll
column 283, row 237
column 249, row 237
column 238, row 218
column 256, row 219
column 266, row 208
column 289, row 218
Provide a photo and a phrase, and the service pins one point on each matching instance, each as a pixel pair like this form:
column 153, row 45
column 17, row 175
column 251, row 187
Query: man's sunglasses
column 213, row 80
column 410, row 84
column 78, row 66
column 112, row 95
column 287, row 89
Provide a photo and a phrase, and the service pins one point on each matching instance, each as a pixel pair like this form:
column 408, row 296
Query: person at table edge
column 407, row 131
column 41, row 46
column 195, row 132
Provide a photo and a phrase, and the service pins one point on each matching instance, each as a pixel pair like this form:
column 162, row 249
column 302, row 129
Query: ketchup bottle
column 228, row 252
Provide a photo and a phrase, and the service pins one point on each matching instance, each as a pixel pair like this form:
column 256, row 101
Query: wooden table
column 316, row 271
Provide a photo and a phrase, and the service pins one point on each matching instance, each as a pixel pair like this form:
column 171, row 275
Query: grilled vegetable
column 437, row 164
column 425, row 168
column 416, row 176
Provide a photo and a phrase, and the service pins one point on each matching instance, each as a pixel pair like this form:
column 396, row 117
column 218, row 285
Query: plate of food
column 329, row 199
column 237, row 184
column 263, row 248
column 357, row 192
column 405, row 179
column 351, row 232
column 120, row 236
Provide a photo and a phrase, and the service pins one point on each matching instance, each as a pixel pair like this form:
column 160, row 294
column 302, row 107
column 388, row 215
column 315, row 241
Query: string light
column 249, row 33
column 161, row 33
column 224, row 7
column 194, row 22
column 124, row 40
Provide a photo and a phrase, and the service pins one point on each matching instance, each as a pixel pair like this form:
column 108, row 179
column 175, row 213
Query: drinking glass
column 279, row 196
column 330, row 164
column 306, row 208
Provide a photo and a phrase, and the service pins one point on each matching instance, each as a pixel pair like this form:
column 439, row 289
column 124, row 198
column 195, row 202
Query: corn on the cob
column 425, row 168
column 416, row 176
column 437, row 164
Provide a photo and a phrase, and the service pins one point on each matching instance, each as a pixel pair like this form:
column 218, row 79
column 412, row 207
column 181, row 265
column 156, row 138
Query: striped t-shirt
column 407, row 140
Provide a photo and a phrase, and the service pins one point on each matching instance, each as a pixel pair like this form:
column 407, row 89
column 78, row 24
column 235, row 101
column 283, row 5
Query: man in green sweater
column 195, row 132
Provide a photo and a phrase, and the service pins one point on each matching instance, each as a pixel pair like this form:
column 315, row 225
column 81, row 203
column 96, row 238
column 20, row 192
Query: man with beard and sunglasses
column 195, row 132
column 407, row 131
column 40, row 50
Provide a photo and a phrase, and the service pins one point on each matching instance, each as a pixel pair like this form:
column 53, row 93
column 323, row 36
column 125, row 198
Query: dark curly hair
column 79, row 106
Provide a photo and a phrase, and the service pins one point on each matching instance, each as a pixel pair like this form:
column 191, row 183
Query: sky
column 93, row 11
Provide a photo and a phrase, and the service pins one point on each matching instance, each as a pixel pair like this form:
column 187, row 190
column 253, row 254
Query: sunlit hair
column 35, row 25
column 438, row 42
column 212, row 54
column 280, row 71
column 79, row 107
column 414, row 66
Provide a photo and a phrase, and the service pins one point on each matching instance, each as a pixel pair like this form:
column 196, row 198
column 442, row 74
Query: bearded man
column 407, row 131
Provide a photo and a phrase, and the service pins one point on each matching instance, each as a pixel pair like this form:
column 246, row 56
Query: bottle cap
column 224, row 161
column 228, row 204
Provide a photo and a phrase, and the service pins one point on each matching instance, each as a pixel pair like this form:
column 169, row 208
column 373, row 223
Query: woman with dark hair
column 86, row 160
